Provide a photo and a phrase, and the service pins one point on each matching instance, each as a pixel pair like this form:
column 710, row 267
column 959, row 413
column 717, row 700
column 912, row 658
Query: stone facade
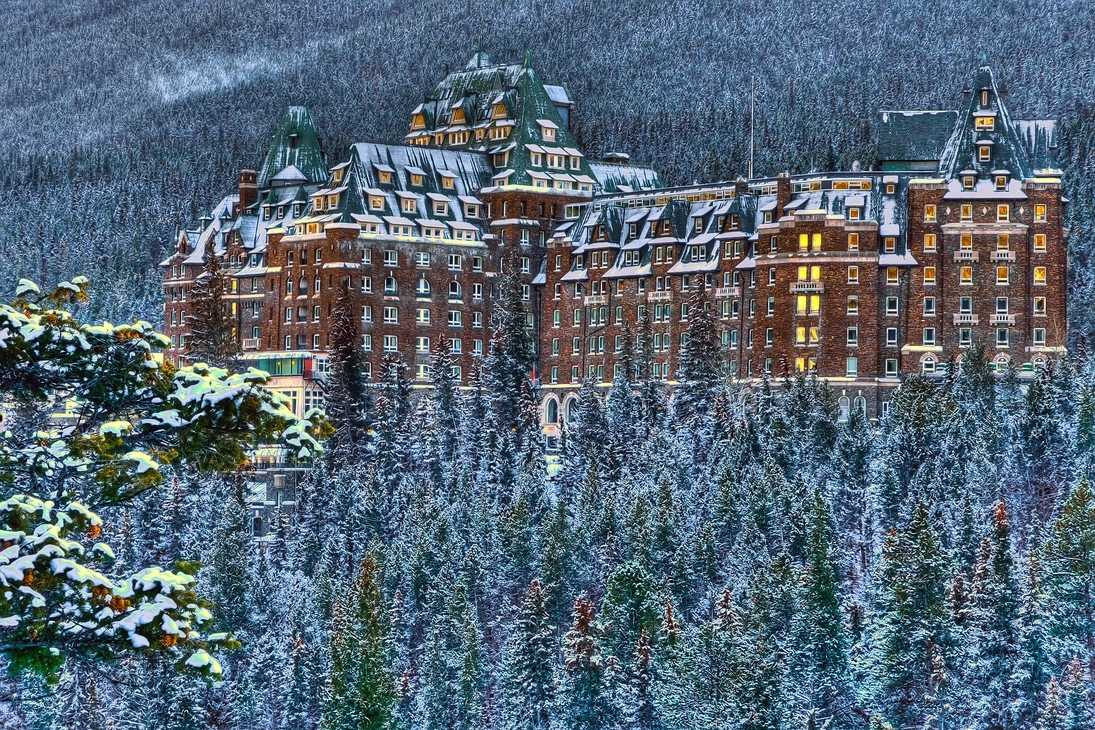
column 862, row 277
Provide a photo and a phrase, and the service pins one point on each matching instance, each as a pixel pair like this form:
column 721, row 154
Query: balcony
column 659, row 296
column 799, row 287
column 596, row 300
column 251, row 343
column 728, row 292
column 966, row 255
column 966, row 319
column 1003, row 255
column 1003, row 319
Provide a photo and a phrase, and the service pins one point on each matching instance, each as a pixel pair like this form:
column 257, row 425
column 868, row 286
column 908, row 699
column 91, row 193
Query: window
column 851, row 367
column 966, row 242
column 1001, row 305
column 1039, row 242
column 1039, row 337
column 391, row 288
column 967, row 212
column 367, row 343
column 315, row 313
column 367, row 284
column 421, row 344
column 772, row 244
column 891, row 306
column 965, row 336
column 1039, row 276
column 1002, row 242
column 440, row 208
column 1003, row 212
column 929, row 214
column 421, row 258
column 391, row 258
column 890, row 244
column 771, row 277
column 929, row 243
column 1002, row 337
column 1001, row 182
column 891, row 275
column 1039, row 213
column 815, row 242
column 853, row 305
column 965, row 305
column 965, row 275
column 891, row 337
column 929, row 336
column 803, row 242
column 1039, row 306
column 771, row 306
column 984, row 153
column 477, row 320
column 455, row 318
column 891, row 368
column 477, row 263
column 367, row 313
column 391, row 315
column 929, row 276
column 929, row 306
column 391, row 343
column 769, row 337
column 986, row 123
column 288, row 314
column 408, row 205
column 422, row 289
column 455, row 291
column 1001, row 274
column 853, row 337
column 853, row 274
column 853, row 214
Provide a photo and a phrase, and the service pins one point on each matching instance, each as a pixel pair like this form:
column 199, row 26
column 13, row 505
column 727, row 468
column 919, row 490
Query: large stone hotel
column 863, row 277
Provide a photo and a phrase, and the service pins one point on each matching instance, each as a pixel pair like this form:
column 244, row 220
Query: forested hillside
column 124, row 120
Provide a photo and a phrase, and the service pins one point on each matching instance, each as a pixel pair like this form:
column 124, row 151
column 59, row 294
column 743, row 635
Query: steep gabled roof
column 1008, row 150
column 295, row 144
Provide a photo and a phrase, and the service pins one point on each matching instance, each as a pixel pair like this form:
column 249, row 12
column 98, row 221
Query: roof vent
column 618, row 158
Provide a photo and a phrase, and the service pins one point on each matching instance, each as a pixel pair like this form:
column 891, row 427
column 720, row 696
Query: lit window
column 929, row 276
column 1001, row 274
column 853, row 241
column 853, row 305
column 929, row 243
column 803, row 241
column 853, row 274
column 1039, row 242
column 984, row 153
column 1039, row 275
column 891, row 275
column 1003, row 212
column 890, row 245
column 967, row 212
column 965, row 275
column 929, row 214
column 1039, row 213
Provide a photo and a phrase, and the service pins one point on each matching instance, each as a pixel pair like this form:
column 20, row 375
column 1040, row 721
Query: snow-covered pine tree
column 1069, row 563
column 362, row 688
column 529, row 666
column 586, row 688
column 212, row 333
column 347, row 394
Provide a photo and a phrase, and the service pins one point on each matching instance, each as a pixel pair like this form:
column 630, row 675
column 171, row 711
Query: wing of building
column 862, row 277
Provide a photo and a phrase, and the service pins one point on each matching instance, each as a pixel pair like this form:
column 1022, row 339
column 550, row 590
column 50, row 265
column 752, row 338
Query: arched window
column 572, row 409
column 422, row 288
column 315, row 286
column 845, row 407
column 927, row 365
column 551, row 411
column 1039, row 362
column 303, row 286
column 454, row 290
column 390, row 287
column 860, row 405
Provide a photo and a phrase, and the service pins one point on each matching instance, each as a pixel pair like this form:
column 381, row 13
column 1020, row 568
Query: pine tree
column 1069, row 564
column 362, row 688
column 212, row 336
column 347, row 394
column 587, row 674
column 700, row 372
column 528, row 674
column 631, row 605
column 472, row 673
column 636, row 703
column 995, row 627
column 912, row 618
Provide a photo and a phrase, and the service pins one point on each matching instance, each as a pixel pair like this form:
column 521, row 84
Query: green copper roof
column 1008, row 150
column 295, row 144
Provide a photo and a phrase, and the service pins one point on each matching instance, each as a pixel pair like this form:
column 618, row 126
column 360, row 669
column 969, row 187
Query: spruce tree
column 1069, row 563
column 212, row 333
column 347, row 394
column 529, row 669
column 587, row 673
column 700, row 371
column 362, row 688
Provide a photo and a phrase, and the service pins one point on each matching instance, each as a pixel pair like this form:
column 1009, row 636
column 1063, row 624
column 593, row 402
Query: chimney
column 741, row 186
column 783, row 192
column 249, row 191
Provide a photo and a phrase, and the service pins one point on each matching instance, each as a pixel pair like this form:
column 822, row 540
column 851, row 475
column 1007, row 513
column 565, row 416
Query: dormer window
column 579, row 260
column 458, row 115
column 984, row 98
column 1001, row 182
column 281, row 211
column 984, row 152
column 537, row 159
column 984, row 123
column 471, row 210
column 376, row 202
column 337, row 176
column 853, row 214
column 458, row 137
column 967, row 182
column 385, row 177
column 318, row 202
column 440, row 207
column 297, row 209
column 548, row 130
column 408, row 205
column 500, row 159
column 575, row 162
column 293, row 141
column 448, row 182
column 418, row 121
column 499, row 111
